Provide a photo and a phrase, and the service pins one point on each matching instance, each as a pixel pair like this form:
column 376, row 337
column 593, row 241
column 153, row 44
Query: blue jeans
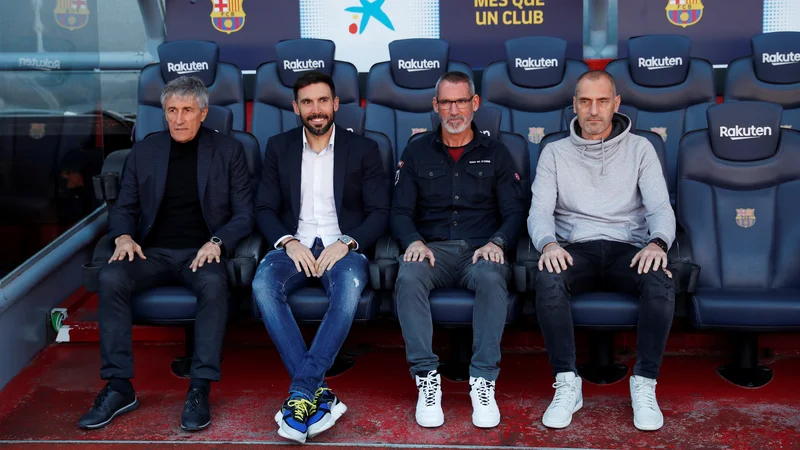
column 275, row 281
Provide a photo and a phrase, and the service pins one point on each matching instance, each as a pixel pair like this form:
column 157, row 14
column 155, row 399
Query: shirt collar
column 330, row 143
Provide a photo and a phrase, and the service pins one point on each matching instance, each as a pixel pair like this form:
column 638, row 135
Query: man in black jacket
column 323, row 198
column 184, row 203
column 458, row 204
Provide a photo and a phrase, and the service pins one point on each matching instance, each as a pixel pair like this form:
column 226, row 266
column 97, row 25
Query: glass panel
column 61, row 112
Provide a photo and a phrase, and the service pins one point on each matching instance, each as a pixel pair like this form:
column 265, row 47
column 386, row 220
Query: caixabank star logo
column 368, row 10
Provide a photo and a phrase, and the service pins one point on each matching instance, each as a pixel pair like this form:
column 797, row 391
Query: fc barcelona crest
column 683, row 13
column 418, row 130
column 72, row 14
column 227, row 16
column 745, row 217
column 661, row 131
column 37, row 131
column 535, row 134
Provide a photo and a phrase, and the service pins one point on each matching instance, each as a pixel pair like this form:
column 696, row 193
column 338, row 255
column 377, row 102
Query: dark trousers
column 120, row 280
column 605, row 265
column 453, row 269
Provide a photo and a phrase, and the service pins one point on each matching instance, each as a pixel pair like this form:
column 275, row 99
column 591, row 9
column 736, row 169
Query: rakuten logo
column 303, row 66
column 535, row 64
column 416, row 65
column 780, row 59
column 42, row 64
column 182, row 68
column 666, row 62
column 737, row 133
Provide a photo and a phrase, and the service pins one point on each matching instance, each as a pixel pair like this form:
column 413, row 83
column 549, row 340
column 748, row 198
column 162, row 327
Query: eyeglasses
column 461, row 103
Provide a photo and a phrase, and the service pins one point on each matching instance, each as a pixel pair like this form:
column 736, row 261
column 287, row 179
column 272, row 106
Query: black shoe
column 107, row 405
column 197, row 412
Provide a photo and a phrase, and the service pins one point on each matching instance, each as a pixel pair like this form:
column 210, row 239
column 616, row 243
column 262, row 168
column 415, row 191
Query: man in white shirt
column 323, row 197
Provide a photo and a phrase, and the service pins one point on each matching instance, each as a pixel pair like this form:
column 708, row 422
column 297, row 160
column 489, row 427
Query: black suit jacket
column 223, row 183
column 360, row 184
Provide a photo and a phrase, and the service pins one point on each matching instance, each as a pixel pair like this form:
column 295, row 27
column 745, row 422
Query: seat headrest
column 198, row 58
column 418, row 63
column 219, row 118
column 744, row 131
column 776, row 57
column 486, row 118
column 298, row 56
column 536, row 61
column 659, row 60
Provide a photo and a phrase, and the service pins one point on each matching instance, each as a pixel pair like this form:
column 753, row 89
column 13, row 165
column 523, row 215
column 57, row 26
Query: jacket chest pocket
column 433, row 182
column 480, row 182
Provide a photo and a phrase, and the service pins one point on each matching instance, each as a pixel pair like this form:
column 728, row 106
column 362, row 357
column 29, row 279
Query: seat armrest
column 526, row 265
column 91, row 270
column 244, row 262
column 384, row 268
column 684, row 271
column 106, row 184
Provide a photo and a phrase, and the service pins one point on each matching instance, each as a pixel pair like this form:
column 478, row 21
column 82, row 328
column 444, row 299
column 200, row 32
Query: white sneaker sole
column 566, row 423
column 287, row 432
column 648, row 427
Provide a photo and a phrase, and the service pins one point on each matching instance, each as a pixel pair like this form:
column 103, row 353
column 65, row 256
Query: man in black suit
column 320, row 205
column 184, row 203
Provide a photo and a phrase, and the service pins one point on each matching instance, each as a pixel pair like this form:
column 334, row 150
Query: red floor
column 701, row 409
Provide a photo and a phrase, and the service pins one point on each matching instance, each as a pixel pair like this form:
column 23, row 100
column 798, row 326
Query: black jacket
column 360, row 184
column 475, row 199
column 223, row 184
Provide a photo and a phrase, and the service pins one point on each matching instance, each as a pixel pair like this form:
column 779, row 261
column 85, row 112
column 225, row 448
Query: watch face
column 346, row 239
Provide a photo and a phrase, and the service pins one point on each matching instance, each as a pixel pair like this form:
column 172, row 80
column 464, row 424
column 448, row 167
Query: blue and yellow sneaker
column 327, row 410
column 294, row 417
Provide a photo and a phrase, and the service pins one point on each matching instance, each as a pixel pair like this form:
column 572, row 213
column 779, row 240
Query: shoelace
column 101, row 397
column 645, row 394
column 320, row 392
column 485, row 390
column 193, row 402
column 565, row 394
column 429, row 387
column 302, row 408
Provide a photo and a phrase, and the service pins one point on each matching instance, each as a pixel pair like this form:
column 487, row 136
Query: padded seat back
column 770, row 74
column 739, row 181
column 532, row 87
column 188, row 57
column 400, row 91
column 274, row 89
column 670, row 89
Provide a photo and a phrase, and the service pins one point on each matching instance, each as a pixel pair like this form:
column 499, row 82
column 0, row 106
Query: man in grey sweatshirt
column 601, row 218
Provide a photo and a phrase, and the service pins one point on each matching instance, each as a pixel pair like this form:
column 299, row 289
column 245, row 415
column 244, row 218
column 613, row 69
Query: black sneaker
column 327, row 410
column 107, row 405
column 196, row 412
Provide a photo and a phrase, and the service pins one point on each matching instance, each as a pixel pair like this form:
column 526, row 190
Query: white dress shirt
column 317, row 205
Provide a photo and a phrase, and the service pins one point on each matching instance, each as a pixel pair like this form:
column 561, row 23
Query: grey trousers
column 453, row 269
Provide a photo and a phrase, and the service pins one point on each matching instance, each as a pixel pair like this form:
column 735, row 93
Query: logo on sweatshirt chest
column 745, row 217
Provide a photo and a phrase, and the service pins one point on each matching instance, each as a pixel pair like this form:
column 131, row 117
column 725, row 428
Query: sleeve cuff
column 281, row 239
column 411, row 238
column 544, row 241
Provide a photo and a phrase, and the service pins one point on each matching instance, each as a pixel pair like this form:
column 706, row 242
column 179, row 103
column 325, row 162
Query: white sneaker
column 429, row 403
column 485, row 413
column 646, row 414
column 567, row 401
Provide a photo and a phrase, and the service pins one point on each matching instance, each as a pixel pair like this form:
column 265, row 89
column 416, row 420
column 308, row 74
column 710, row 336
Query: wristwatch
column 498, row 241
column 659, row 242
column 348, row 241
column 216, row 241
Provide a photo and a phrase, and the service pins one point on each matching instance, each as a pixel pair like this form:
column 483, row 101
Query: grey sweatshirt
column 591, row 190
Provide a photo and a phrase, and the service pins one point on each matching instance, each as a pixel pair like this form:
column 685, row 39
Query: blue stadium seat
column 175, row 305
column 272, row 100
column 602, row 313
column 770, row 74
column 738, row 186
column 400, row 91
column 532, row 87
column 670, row 89
column 188, row 57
